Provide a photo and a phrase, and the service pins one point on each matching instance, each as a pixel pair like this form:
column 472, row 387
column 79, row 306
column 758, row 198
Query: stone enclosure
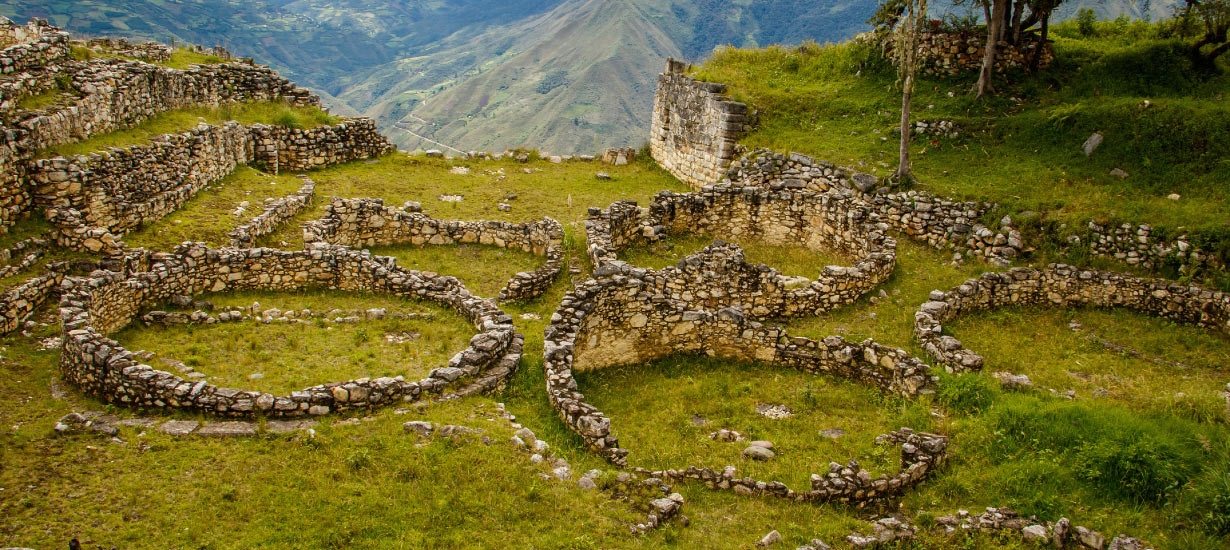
column 368, row 222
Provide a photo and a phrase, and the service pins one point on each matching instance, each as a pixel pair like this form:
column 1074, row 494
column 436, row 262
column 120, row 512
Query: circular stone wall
column 93, row 308
column 1062, row 286
column 816, row 221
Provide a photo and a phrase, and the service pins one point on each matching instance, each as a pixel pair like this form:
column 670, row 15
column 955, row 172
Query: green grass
column 39, row 101
column 291, row 357
column 1021, row 147
column 660, row 432
column 1116, row 464
column 182, row 58
column 483, row 269
column 210, row 215
column 183, row 120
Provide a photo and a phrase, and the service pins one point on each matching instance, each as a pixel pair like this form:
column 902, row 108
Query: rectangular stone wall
column 694, row 129
column 29, row 46
column 280, row 148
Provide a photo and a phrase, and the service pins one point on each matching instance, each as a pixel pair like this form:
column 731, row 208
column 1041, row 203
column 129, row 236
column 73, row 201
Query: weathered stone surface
column 179, row 427
column 227, row 429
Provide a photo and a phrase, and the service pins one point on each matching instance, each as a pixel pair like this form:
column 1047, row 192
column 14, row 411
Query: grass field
column 1143, row 448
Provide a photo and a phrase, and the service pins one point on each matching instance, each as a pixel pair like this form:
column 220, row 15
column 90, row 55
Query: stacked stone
column 70, row 231
column 29, row 250
column 276, row 211
column 623, row 317
column 694, row 128
column 148, row 90
column 93, row 308
column 368, row 222
column 1059, row 533
column 34, row 45
column 1063, row 286
column 817, row 221
column 939, row 222
column 921, row 454
column 123, row 188
column 1138, row 246
column 950, row 53
column 20, row 301
column 282, row 148
column 151, row 52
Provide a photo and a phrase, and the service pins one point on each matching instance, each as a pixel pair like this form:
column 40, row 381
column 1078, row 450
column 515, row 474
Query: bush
column 1140, row 470
column 1208, row 497
column 967, row 393
column 1086, row 20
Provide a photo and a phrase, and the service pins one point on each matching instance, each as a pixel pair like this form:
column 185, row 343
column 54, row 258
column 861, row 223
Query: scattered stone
column 459, row 170
column 435, row 153
column 726, row 435
column 756, row 452
column 1013, row 381
column 227, row 429
column 1035, row 533
column 770, row 539
column 1119, row 173
column 833, row 433
column 451, row 198
column 1092, row 144
column 602, row 176
column 422, row 429
column 698, row 420
column 504, row 207
column 1174, row 196
column 287, row 426
column 774, row 411
column 179, row 427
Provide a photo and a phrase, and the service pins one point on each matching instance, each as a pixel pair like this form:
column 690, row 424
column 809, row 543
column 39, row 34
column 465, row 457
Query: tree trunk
column 1037, row 57
column 1017, row 13
column 903, row 174
column 988, row 56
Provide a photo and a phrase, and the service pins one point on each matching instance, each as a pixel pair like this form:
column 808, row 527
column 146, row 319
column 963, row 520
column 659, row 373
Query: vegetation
column 1165, row 125
column 183, row 120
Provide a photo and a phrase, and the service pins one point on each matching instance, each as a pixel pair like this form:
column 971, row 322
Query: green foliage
column 1134, row 470
column 1086, row 18
column 1208, row 499
column 967, row 393
column 551, row 81
column 82, row 53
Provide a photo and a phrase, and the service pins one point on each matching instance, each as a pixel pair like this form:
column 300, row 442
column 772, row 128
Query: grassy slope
column 1022, row 147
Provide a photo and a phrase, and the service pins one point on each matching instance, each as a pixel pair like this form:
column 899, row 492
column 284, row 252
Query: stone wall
column 950, row 53
column 93, row 308
column 694, row 128
column 368, row 222
column 817, row 221
column 148, row 90
column 20, row 301
column 121, row 189
column 151, row 52
column 939, row 222
column 281, row 148
column 1062, row 286
column 276, row 211
column 31, row 46
column 622, row 318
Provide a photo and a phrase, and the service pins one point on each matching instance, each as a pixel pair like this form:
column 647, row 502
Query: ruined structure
column 694, row 129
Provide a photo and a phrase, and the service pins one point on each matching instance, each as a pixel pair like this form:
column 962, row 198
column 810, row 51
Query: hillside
column 472, row 69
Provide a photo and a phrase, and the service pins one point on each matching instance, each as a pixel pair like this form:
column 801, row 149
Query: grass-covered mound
column 1166, row 124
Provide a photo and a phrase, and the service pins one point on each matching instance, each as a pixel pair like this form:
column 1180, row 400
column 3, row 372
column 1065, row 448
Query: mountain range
column 561, row 75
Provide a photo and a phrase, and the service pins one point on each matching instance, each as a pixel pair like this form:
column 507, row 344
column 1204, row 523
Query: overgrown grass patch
column 293, row 356
column 483, row 269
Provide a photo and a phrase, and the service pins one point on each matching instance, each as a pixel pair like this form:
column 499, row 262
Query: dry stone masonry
column 816, row 221
column 694, row 128
column 950, row 53
column 95, row 307
column 1062, row 286
column 368, row 222
column 276, row 211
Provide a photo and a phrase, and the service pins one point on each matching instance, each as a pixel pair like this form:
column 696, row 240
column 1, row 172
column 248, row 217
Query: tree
column 913, row 17
column 995, row 26
column 1210, row 21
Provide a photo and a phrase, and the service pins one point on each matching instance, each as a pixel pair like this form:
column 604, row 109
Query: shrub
column 1142, row 470
column 1207, row 499
column 1086, row 20
column 967, row 393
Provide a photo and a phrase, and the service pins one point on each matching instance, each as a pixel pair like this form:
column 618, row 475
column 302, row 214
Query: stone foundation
column 816, row 221
column 93, row 308
column 276, row 211
column 694, row 128
column 361, row 223
column 123, row 188
column 1062, row 286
